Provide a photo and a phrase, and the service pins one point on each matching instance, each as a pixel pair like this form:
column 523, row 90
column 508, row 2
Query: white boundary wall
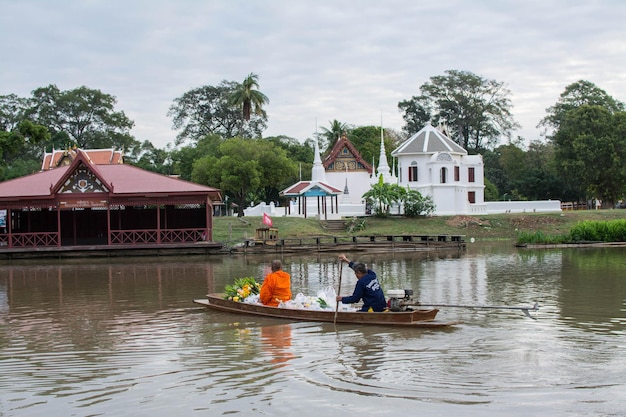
column 542, row 206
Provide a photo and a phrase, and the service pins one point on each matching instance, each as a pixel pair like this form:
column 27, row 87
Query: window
column 413, row 172
column 457, row 173
column 471, row 196
column 470, row 174
column 443, row 175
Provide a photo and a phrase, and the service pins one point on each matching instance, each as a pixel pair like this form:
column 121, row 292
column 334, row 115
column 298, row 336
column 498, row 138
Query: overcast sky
column 316, row 60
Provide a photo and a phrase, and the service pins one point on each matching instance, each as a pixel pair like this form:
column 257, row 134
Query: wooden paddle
column 338, row 290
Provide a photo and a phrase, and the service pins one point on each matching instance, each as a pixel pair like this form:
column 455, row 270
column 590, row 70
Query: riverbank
column 485, row 227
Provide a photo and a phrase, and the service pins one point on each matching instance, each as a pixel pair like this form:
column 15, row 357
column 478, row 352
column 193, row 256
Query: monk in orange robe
column 276, row 286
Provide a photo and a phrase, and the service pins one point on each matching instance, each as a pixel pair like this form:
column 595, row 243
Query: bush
column 599, row 231
column 415, row 204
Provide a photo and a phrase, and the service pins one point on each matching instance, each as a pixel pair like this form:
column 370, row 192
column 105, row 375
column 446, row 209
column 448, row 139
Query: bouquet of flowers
column 241, row 289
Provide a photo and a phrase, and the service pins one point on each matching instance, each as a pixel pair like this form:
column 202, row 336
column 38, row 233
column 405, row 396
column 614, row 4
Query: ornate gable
column 82, row 180
column 345, row 156
column 81, row 177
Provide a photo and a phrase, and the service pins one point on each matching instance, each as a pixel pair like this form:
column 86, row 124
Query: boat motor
column 399, row 299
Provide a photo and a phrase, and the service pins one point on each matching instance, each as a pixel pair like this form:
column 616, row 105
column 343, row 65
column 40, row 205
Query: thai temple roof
column 429, row 140
column 61, row 157
column 336, row 152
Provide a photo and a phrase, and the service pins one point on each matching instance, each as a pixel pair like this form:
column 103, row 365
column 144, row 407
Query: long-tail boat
column 410, row 317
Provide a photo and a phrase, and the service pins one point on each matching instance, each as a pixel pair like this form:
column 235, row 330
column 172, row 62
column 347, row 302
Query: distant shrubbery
column 540, row 238
column 595, row 231
column 585, row 231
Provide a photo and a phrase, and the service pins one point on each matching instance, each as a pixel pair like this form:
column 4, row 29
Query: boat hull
column 414, row 318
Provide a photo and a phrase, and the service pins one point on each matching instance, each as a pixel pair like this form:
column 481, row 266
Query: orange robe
column 276, row 286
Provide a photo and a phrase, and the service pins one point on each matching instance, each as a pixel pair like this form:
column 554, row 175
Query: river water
column 122, row 337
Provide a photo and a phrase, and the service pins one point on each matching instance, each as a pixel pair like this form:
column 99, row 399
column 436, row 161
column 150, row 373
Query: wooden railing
column 118, row 237
column 26, row 240
column 133, row 237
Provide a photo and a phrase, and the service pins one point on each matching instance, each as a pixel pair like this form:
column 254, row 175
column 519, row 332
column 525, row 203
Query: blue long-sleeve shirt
column 367, row 289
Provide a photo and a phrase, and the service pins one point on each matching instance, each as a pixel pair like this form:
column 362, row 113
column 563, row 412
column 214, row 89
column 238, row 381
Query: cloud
column 317, row 60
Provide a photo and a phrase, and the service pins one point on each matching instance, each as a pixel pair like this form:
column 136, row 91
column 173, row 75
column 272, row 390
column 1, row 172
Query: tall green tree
column 367, row 140
column 330, row 135
column 207, row 110
column 302, row 154
column 477, row 111
column 542, row 179
column 245, row 169
column 184, row 157
column 84, row 116
column 151, row 158
column 590, row 149
column 13, row 162
column 524, row 174
column 580, row 93
column 249, row 98
column 12, row 111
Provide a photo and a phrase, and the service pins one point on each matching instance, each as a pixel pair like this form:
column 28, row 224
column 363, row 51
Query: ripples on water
column 125, row 340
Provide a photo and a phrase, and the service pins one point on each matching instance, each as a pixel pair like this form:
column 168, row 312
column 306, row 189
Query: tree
column 183, row 158
column 12, row 111
column 542, row 179
column 249, row 98
column 382, row 196
column 330, row 135
column 477, row 111
column 13, row 162
column 85, row 116
column 590, row 149
column 575, row 95
column 299, row 152
column 367, row 140
column 151, row 158
column 245, row 169
column 207, row 110
column 524, row 174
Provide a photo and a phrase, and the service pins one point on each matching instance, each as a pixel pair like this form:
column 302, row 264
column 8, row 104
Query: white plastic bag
column 329, row 296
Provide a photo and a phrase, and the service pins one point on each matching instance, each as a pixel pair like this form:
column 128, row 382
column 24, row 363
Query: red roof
column 95, row 156
column 302, row 187
column 342, row 143
column 118, row 180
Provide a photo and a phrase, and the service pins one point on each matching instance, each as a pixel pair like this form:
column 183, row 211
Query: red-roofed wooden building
column 92, row 198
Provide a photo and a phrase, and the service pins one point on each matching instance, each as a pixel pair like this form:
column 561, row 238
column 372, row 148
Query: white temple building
column 435, row 165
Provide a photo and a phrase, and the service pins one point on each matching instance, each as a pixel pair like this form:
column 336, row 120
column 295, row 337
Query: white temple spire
column 383, row 166
column 318, row 173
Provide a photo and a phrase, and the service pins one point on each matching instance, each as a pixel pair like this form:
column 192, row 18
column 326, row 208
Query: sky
column 317, row 60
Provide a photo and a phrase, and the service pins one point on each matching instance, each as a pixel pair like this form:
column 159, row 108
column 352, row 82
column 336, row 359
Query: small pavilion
column 317, row 188
column 92, row 198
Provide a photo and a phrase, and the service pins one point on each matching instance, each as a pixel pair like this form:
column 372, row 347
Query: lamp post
column 503, row 197
column 227, row 213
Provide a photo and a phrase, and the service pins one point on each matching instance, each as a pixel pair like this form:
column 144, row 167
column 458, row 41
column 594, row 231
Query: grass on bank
column 511, row 226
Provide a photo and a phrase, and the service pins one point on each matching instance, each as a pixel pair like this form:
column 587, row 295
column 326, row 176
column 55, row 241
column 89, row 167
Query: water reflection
column 123, row 338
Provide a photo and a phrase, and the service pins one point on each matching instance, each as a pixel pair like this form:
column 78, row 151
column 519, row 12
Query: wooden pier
column 370, row 243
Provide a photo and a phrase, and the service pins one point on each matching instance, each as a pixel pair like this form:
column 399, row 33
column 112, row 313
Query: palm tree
column 249, row 97
column 382, row 196
column 333, row 134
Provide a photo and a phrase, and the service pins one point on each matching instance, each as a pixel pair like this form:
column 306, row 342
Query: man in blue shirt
column 367, row 288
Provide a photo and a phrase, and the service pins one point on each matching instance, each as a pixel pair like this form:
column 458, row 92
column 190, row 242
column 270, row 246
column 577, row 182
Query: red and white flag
column 267, row 220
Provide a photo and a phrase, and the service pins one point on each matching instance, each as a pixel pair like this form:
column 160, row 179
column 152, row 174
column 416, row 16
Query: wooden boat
column 408, row 318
